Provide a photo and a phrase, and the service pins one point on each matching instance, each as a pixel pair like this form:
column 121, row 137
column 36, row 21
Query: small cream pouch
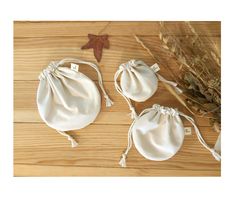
column 138, row 82
column 67, row 99
column 158, row 134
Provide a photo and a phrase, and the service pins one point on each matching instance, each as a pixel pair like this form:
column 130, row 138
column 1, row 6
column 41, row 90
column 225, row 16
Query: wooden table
column 41, row 151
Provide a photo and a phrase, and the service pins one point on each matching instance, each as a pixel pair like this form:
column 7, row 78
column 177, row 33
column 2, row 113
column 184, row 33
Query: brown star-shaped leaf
column 97, row 42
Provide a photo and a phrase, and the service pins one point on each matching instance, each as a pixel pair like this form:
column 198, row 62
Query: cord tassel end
column 216, row 155
column 108, row 101
column 122, row 162
column 73, row 143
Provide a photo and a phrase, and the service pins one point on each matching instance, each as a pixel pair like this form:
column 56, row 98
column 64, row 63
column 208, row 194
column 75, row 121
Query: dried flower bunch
column 199, row 67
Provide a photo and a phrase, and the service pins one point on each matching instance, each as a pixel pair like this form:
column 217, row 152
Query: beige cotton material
column 68, row 99
column 138, row 82
column 158, row 134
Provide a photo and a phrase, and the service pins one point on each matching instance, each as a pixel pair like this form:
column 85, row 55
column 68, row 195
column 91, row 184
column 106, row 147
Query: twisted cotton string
column 173, row 84
column 155, row 69
column 70, row 138
column 200, row 138
column 122, row 161
column 109, row 102
column 119, row 90
column 217, row 145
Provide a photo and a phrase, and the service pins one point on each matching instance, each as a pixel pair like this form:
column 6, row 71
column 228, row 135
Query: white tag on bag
column 187, row 131
column 74, row 67
column 155, row 68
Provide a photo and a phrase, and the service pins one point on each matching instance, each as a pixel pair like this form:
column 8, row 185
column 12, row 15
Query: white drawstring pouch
column 138, row 82
column 158, row 134
column 67, row 99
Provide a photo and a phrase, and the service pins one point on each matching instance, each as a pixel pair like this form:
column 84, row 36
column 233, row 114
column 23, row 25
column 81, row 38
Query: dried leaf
column 97, row 42
column 210, row 106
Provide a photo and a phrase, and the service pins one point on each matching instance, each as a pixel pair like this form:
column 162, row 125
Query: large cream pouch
column 68, row 99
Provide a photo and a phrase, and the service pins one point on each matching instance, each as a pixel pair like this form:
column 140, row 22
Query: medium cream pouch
column 158, row 134
column 67, row 99
column 138, row 82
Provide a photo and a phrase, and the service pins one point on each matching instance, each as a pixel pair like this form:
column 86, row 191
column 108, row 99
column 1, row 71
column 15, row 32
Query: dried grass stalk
column 199, row 64
column 198, row 59
column 169, row 88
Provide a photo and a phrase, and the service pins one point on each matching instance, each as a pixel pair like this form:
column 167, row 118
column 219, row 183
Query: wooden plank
column 82, row 28
column 25, row 107
column 32, row 55
column 35, row 170
column 100, row 146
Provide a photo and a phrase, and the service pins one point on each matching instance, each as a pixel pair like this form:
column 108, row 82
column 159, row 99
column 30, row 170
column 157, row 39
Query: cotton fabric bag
column 67, row 99
column 138, row 82
column 158, row 134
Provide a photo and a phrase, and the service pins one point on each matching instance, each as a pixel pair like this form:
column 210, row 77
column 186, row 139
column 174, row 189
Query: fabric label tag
column 74, row 67
column 187, row 131
column 155, row 67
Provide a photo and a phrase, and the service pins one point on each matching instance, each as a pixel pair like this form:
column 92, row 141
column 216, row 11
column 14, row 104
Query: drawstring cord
column 155, row 69
column 119, row 90
column 173, row 84
column 122, row 161
column 200, row 138
column 217, row 145
column 70, row 138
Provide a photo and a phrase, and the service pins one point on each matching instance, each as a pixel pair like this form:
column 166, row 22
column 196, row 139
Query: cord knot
column 51, row 68
column 166, row 110
column 128, row 65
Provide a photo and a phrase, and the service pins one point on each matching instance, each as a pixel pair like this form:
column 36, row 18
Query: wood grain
column 37, row 144
column 115, row 28
column 39, row 170
column 40, row 151
column 40, row 51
